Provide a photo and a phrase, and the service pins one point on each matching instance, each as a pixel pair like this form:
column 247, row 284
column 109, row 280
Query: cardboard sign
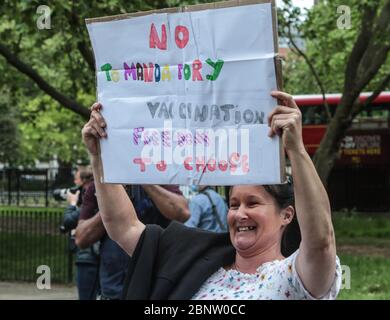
column 186, row 95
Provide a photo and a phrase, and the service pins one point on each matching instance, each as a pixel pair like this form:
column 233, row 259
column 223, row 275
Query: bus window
column 313, row 115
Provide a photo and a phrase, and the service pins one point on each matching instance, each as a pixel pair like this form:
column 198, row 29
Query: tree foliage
column 9, row 131
column 334, row 59
column 50, row 74
column 327, row 46
column 50, row 80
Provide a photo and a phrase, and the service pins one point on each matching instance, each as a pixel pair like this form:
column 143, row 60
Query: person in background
column 156, row 205
column 87, row 259
column 208, row 210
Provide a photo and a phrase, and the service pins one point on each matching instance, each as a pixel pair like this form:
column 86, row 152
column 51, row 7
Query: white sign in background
column 188, row 110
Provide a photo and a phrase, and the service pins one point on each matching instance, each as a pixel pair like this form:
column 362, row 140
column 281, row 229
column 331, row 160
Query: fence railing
column 30, row 199
column 31, row 187
column 30, row 238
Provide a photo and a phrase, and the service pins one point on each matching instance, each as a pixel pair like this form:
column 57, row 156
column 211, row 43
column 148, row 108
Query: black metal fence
column 30, row 238
column 32, row 188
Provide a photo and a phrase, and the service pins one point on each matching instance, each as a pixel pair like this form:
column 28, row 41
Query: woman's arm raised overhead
column 117, row 211
column 316, row 261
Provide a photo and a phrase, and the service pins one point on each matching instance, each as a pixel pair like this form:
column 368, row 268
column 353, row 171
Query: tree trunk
column 327, row 153
column 42, row 84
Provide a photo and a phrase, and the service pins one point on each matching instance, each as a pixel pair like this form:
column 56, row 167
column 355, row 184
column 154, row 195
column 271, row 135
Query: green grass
column 30, row 237
column 370, row 278
column 361, row 226
column 21, row 254
column 24, row 210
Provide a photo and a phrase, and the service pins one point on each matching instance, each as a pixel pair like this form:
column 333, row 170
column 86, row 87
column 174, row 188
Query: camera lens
column 60, row 194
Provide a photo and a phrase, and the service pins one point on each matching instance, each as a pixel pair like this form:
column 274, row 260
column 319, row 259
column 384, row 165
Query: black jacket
column 88, row 255
column 175, row 262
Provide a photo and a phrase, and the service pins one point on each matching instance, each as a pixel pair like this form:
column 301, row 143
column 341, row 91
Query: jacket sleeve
column 173, row 263
column 140, row 275
column 71, row 216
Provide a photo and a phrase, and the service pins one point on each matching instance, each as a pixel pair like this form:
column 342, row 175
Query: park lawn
column 30, row 237
column 24, row 210
column 351, row 227
column 370, row 278
column 21, row 254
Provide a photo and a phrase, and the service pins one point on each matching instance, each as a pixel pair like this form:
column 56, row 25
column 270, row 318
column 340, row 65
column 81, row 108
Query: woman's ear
column 287, row 215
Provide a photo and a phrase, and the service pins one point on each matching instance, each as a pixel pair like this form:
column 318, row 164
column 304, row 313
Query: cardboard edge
column 100, row 169
column 200, row 7
column 195, row 7
column 279, row 84
column 279, row 80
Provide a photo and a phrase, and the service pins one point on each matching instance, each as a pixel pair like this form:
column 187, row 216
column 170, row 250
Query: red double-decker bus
column 361, row 177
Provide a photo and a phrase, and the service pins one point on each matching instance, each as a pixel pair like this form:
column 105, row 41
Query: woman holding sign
column 252, row 261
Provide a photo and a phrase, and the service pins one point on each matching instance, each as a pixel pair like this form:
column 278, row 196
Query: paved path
column 364, row 250
column 29, row 291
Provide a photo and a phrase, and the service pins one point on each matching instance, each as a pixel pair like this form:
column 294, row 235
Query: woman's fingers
column 98, row 129
column 274, row 118
column 274, row 129
column 97, row 121
column 294, row 119
column 289, row 112
column 99, row 118
column 278, row 125
column 286, row 121
column 286, row 98
column 96, row 106
column 89, row 130
column 94, row 130
column 280, row 110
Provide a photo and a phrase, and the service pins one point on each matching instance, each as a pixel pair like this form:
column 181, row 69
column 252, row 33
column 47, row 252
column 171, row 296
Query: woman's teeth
column 241, row 229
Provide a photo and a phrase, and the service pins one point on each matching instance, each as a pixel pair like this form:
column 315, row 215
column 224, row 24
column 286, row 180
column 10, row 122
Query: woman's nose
column 241, row 214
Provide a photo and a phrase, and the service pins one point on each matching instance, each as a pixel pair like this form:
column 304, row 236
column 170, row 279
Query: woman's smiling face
column 254, row 220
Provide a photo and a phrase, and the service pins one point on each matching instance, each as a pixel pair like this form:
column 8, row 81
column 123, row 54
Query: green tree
column 338, row 60
column 9, row 131
column 50, row 73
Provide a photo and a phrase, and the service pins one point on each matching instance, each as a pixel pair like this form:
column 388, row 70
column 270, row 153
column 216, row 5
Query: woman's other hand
column 286, row 121
column 94, row 130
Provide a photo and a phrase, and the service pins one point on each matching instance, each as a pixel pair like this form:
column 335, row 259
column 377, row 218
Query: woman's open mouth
column 247, row 228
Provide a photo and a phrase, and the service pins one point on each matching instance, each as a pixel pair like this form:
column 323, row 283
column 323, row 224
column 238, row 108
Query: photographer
column 156, row 204
column 87, row 259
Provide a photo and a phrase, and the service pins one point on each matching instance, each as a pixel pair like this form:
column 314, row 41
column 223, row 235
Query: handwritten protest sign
column 186, row 94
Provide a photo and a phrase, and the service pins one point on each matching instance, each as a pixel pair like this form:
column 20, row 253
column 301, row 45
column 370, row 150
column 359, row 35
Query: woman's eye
column 252, row 204
column 233, row 207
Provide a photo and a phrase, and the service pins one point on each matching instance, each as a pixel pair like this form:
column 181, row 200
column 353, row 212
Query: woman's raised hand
column 286, row 121
column 94, row 130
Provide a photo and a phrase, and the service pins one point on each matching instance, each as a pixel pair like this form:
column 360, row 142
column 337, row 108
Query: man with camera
column 87, row 259
column 156, row 204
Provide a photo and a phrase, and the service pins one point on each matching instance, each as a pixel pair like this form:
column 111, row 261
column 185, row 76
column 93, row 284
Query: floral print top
column 275, row 280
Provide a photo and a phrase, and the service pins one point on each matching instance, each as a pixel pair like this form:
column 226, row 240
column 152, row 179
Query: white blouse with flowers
column 276, row 280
